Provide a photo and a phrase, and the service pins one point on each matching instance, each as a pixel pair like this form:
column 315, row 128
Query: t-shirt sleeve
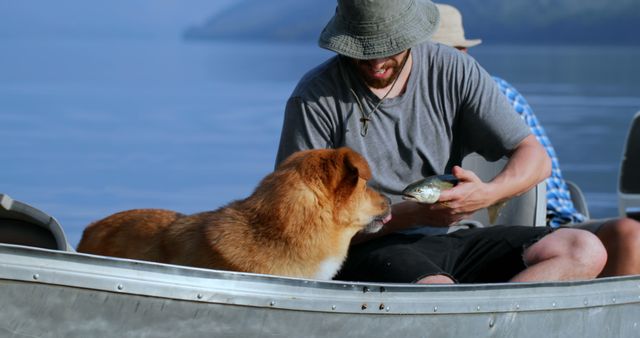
column 303, row 128
column 491, row 126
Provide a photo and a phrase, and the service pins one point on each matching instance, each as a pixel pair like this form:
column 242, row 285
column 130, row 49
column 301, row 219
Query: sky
column 104, row 18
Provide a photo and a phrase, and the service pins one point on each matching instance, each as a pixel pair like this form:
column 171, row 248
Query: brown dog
column 298, row 222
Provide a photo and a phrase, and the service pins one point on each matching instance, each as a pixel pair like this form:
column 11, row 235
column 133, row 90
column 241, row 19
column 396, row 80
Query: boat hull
column 48, row 293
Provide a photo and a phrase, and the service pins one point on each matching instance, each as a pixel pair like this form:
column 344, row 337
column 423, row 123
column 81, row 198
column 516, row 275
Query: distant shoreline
column 600, row 22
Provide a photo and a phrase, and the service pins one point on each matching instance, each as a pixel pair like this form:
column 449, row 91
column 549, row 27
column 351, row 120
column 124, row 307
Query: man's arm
column 528, row 165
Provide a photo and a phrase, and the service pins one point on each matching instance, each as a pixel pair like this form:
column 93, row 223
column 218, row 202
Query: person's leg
column 488, row 255
column 399, row 258
column 565, row 254
column 621, row 238
column 436, row 279
column 484, row 255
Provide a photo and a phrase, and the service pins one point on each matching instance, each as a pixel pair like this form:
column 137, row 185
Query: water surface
column 94, row 126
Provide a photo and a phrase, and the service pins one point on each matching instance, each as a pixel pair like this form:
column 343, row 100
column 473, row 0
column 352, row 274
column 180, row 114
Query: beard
column 363, row 68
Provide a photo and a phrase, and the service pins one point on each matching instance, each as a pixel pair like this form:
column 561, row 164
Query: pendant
column 365, row 126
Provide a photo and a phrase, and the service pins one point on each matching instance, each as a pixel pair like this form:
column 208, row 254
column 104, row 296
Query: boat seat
column 629, row 180
column 23, row 224
column 578, row 199
column 526, row 209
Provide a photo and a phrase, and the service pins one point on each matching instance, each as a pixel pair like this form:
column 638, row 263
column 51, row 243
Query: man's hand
column 467, row 197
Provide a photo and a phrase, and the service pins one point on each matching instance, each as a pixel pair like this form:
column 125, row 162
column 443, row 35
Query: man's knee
column 622, row 233
column 621, row 238
column 436, row 279
column 585, row 251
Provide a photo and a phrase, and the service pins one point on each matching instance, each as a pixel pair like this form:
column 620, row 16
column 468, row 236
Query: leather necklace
column 366, row 117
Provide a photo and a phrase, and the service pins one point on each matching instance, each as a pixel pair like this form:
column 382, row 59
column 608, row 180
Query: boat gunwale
column 123, row 276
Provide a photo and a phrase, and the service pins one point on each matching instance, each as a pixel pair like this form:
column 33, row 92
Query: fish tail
column 495, row 210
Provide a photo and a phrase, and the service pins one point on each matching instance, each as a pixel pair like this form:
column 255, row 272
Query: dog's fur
column 298, row 222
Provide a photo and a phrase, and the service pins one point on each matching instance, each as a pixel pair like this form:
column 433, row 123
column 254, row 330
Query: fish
column 427, row 190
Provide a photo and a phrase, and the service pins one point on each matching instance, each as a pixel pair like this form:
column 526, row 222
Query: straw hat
column 451, row 32
column 371, row 29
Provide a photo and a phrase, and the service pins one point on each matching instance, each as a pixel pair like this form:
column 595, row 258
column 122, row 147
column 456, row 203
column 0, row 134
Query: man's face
column 380, row 73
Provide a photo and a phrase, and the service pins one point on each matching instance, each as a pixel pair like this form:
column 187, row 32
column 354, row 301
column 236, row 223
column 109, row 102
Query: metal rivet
column 586, row 302
column 333, row 307
column 478, row 308
column 365, row 289
column 199, row 296
column 614, row 299
column 36, row 276
column 554, row 304
column 491, row 323
column 120, row 287
column 273, row 302
column 387, row 309
column 517, row 306
column 435, row 309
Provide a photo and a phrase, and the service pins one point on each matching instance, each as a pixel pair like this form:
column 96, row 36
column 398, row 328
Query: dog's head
column 332, row 185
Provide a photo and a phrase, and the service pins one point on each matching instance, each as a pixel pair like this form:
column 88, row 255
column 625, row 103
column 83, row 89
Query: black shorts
column 479, row 255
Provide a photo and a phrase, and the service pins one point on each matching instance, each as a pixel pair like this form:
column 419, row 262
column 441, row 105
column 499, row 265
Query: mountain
column 268, row 20
column 495, row 21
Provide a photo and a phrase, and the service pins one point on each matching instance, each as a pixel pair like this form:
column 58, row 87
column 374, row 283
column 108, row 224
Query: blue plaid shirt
column 560, row 208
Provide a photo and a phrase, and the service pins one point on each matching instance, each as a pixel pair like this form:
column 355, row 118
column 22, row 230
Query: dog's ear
column 352, row 166
column 355, row 163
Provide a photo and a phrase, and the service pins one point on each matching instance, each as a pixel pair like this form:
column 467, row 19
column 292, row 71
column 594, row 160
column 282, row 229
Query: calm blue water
column 92, row 127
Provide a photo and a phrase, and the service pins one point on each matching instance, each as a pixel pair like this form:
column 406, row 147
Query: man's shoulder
column 438, row 51
column 319, row 79
column 442, row 58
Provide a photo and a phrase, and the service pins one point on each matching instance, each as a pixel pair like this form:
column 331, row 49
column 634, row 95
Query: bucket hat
column 451, row 32
column 371, row 29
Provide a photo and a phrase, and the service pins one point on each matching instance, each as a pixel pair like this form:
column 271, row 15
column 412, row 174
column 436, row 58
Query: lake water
column 92, row 127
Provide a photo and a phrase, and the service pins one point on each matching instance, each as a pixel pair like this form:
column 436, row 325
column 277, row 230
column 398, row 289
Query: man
column 414, row 109
column 560, row 208
column 621, row 237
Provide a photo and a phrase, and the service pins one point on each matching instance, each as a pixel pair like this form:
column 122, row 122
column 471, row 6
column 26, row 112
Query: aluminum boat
column 49, row 290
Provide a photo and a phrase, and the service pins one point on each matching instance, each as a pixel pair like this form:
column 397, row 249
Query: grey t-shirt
column 451, row 107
